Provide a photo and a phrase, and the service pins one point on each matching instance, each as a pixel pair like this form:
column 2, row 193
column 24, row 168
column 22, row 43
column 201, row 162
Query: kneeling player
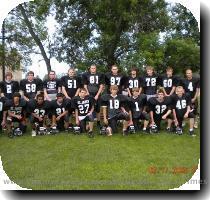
column 182, row 110
column 84, row 107
column 39, row 110
column 160, row 109
column 16, row 113
column 114, row 109
column 138, row 109
column 60, row 112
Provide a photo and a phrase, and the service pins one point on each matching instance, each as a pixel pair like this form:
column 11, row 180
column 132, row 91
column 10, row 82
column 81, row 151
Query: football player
column 71, row 84
column 30, row 86
column 182, row 110
column 191, row 86
column 39, row 109
column 134, row 81
column 114, row 109
column 3, row 113
column 138, row 109
column 9, row 86
column 51, row 86
column 16, row 112
column 169, row 82
column 115, row 78
column 94, row 84
column 84, row 107
column 160, row 108
column 60, row 112
column 150, row 81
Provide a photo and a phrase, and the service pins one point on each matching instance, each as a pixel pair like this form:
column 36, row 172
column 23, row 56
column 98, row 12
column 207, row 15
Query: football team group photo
column 100, row 95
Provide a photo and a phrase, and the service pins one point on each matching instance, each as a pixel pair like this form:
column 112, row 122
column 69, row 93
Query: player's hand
column 58, row 118
column 164, row 117
column 130, row 123
column 152, row 123
column 3, row 124
column 68, row 97
column 186, row 115
column 26, row 99
column 193, row 100
column 96, row 97
column 40, row 119
column 105, row 121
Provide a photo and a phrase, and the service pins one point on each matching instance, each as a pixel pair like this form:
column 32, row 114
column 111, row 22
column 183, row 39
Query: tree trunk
column 35, row 37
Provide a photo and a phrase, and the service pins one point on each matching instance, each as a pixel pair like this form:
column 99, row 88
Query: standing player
column 114, row 109
column 191, row 86
column 84, row 107
column 169, row 82
column 39, row 109
column 94, row 84
column 16, row 113
column 51, row 86
column 71, row 84
column 181, row 109
column 134, row 81
column 31, row 86
column 3, row 113
column 160, row 109
column 60, row 112
column 9, row 86
column 138, row 109
column 115, row 78
column 150, row 81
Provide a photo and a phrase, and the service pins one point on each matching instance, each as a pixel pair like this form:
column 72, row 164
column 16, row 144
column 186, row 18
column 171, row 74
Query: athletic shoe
column 192, row 133
column 109, row 131
column 33, row 133
column 90, row 134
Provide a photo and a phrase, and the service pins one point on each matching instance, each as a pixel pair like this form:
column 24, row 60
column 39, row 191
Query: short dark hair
column 60, row 95
column 30, row 72
column 16, row 94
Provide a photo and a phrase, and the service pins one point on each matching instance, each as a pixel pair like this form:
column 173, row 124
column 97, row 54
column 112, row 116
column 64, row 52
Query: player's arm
column 196, row 95
column 3, row 123
column 104, row 112
column 172, row 90
column 174, row 116
column 151, row 113
column 187, row 112
column 46, row 94
column 167, row 114
column 11, row 114
column 77, row 117
column 64, row 92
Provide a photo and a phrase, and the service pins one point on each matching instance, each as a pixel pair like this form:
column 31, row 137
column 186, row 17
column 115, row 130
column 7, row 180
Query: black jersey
column 180, row 103
column 118, row 80
column 168, row 83
column 150, row 84
column 136, row 82
column 30, row 88
column 93, row 82
column 159, row 108
column 71, row 84
column 83, row 105
column 137, row 105
column 2, row 106
column 58, row 109
column 9, row 88
column 114, row 104
column 19, row 109
column 190, row 86
column 40, row 110
column 52, row 86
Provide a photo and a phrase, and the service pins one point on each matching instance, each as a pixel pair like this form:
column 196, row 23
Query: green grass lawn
column 76, row 162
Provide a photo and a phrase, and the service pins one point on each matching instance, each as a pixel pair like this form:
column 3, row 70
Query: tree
column 27, row 32
column 104, row 31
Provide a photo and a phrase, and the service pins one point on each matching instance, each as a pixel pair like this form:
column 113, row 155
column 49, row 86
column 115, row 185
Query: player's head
column 60, row 97
column 179, row 91
column 92, row 69
column 135, row 91
column 51, row 75
column 16, row 97
column 149, row 70
column 188, row 73
column 114, row 89
column 114, row 69
column 8, row 76
column 40, row 98
column 82, row 92
column 134, row 72
column 169, row 71
column 30, row 75
column 160, row 94
column 71, row 72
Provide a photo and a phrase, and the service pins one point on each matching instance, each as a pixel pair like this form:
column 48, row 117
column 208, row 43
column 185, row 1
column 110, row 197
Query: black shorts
column 88, row 118
column 143, row 116
column 180, row 117
column 113, row 121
